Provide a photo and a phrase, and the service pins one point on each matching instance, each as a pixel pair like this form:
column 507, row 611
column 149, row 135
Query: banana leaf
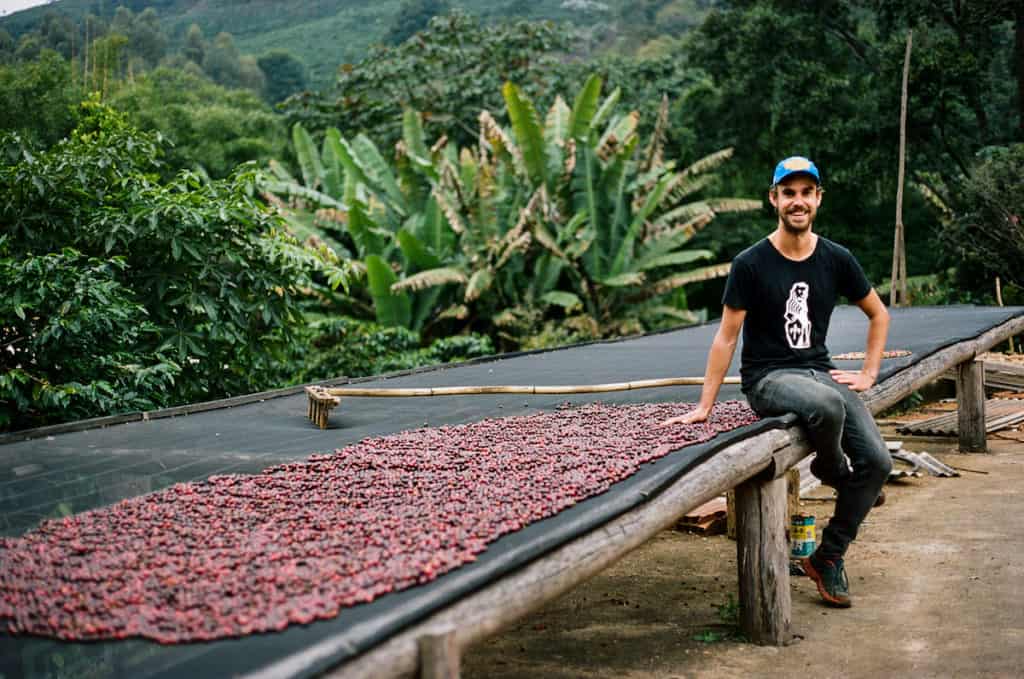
column 584, row 108
column 527, row 129
column 392, row 308
column 309, row 159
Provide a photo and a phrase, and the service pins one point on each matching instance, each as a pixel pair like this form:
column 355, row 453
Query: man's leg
column 820, row 407
column 837, row 422
column 871, row 463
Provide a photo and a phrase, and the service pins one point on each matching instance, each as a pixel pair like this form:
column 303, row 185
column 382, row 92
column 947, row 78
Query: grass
column 729, row 627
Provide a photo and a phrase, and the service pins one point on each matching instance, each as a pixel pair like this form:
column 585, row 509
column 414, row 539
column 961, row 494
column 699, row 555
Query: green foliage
column 984, row 237
column 209, row 127
column 194, row 278
column 728, row 629
column 226, row 66
column 39, row 99
column 561, row 221
column 74, row 341
column 837, row 100
column 285, row 74
column 335, row 346
column 450, row 72
column 412, row 17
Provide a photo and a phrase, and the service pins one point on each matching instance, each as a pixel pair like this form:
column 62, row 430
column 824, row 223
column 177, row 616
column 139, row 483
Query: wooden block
column 709, row 510
column 439, row 654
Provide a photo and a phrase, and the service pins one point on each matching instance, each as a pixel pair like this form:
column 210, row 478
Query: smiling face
column 796, row 200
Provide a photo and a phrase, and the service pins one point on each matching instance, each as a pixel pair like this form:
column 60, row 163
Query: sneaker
column 830, row 577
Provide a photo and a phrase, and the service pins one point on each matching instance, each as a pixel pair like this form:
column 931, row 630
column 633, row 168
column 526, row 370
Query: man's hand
column 854, row 379
column 699, row 414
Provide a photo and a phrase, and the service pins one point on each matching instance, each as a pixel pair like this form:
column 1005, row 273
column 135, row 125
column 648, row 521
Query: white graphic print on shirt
column 798, row 322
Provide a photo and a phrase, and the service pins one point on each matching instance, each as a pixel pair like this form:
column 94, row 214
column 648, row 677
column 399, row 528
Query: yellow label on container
column 801, row 533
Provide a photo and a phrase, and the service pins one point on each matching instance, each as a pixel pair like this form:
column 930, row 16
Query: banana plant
column 390, row 222
column 618, row 224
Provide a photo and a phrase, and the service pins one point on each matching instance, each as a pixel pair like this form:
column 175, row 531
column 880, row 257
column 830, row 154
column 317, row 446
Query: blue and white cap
column 795, row 165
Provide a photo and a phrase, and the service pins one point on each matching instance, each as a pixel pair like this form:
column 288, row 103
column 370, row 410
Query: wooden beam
column 763, row 560
column 899, row 386
column 970, row 404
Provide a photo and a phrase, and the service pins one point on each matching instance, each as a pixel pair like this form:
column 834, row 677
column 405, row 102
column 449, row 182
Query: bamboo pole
column 399, row 392
column 898, row 286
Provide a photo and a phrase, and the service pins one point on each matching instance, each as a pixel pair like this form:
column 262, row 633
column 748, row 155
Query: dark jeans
column 837, row 422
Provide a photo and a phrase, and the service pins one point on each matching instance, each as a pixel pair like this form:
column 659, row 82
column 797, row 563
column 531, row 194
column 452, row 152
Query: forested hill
column 326, row 33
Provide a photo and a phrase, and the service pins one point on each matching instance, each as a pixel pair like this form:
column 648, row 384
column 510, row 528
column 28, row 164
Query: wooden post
column 792, row 495
column 898, row 285
column 970, row 403
column 763, row 561
column 730, row 514
column 439, row 654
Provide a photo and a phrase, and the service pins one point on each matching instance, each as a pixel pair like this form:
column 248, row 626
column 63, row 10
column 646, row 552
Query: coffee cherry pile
column 239, row 554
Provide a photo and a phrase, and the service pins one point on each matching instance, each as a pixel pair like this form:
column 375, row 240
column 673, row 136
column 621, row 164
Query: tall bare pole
column 898, row 285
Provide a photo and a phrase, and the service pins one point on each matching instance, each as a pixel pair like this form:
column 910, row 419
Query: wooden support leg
column 439, row 654
column 792, row 495
column 763, row 561
column 970, row 402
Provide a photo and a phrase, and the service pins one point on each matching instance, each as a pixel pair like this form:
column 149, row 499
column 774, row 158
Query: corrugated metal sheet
column 999, row 414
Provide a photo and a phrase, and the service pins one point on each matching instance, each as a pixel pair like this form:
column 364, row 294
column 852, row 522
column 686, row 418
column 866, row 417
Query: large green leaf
column 556, row 125
column 364, row 232
column 527, row 129
column 412, row 135
column 379, row 173
column 587, row 197
column 415, row 252
column 478, row 284
column 567, row 300
column 306, row 153
column 613, row 188
column 605, row 110
column 584, row 108
column 628, row 244
column 340, row 149
column 333, row 170
column 424, row 307
column 674, row 259
column 393, row 308
column 300, row 191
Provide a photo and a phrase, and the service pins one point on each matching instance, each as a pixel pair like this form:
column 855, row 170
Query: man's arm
column 719, row 358
column 878, row 329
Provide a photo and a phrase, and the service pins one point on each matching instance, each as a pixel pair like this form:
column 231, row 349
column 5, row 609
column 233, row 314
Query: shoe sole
column 814, row 575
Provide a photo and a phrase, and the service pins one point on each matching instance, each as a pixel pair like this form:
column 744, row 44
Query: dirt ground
column 936, row 579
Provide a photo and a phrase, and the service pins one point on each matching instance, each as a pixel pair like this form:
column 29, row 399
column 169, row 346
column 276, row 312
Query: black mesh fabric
column 69, row 473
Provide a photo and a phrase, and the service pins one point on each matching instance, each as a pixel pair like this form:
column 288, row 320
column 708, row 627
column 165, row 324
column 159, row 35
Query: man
column 782, row 292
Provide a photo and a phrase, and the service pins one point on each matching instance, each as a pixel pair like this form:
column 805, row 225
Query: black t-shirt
column 789, row 304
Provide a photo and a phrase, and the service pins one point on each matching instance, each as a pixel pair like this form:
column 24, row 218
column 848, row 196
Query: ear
column 772, row 198
column 820, row 193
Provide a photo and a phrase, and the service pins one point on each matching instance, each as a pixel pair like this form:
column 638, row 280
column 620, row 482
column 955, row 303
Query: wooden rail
column 755, row 466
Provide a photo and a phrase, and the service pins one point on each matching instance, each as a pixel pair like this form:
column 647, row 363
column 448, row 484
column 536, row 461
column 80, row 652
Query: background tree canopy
column 249, row 199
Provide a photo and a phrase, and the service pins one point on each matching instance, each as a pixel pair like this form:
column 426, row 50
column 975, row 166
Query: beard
column 795, row 229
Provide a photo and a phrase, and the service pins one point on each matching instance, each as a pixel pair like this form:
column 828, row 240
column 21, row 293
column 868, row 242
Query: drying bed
column 239, row 554
column 78, row 472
